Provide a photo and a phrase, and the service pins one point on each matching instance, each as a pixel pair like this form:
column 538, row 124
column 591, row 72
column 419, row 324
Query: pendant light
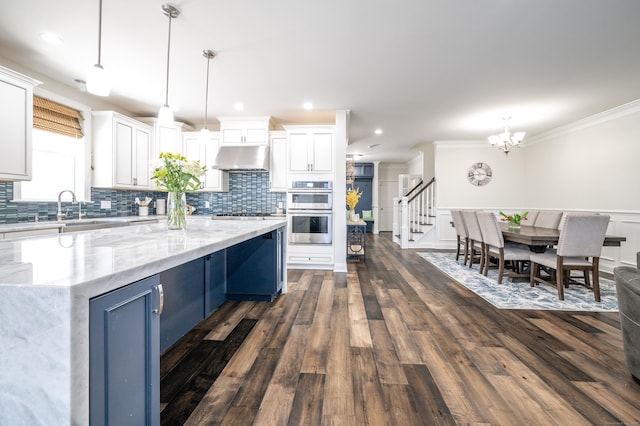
column 165, row 116
column 204, row 133
column 97, row 78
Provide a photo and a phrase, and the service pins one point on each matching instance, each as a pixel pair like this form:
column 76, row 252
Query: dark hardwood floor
column 394, row 341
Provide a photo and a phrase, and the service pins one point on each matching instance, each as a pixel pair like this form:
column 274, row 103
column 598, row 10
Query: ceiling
column 420, row 70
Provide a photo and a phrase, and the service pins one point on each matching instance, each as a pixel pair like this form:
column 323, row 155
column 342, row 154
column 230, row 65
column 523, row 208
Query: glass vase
column 176, row 210
column 514, row 226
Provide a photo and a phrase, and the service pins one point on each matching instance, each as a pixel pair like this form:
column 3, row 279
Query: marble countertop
column 108, row 258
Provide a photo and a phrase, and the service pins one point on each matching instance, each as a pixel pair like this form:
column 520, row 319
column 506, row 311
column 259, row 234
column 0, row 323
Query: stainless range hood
column 250, row 157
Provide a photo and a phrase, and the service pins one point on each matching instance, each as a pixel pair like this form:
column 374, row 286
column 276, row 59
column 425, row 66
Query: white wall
column 591, row 165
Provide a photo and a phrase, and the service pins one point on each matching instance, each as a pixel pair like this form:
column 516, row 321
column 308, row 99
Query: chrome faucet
column 59, row 214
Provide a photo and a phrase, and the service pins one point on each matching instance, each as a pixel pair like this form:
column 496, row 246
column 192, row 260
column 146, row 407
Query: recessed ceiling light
column 378, row 131
column 52, row 39
column 238, row 106
column 307, row 105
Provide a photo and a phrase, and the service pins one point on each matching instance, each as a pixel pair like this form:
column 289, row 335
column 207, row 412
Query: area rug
column 520, row 295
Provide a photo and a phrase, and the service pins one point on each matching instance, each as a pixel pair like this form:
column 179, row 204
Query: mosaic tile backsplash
column 248, row 193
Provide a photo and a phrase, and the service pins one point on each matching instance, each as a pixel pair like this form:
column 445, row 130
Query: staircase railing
column 413, row 212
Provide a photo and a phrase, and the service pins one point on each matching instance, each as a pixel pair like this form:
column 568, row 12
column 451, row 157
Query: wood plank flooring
column 395, row 342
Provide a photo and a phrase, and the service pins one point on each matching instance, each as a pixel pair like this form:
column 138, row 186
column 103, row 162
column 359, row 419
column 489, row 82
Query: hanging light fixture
column 506, row 139
column 97, row 78
column 165, row 116
column 204, row 133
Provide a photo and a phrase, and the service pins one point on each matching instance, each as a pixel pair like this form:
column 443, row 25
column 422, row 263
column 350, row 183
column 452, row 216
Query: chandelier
column 506, row 139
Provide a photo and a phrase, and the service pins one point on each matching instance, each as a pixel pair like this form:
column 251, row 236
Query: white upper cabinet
column 310, row 149
column 278, row 162
column 121, row 147
column 246, row 130
column 16, row 122
column 205, row 151
column 164, row 138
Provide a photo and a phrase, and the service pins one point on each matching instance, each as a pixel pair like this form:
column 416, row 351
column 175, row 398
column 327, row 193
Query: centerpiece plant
column 353, row 196
column 513, row 220
column 176, row 175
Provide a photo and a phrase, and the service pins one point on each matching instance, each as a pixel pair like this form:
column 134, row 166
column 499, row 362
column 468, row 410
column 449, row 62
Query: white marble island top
column 45, row 286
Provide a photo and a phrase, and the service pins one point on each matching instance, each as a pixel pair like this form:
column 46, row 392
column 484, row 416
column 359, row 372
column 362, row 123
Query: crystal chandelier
column 506, row 139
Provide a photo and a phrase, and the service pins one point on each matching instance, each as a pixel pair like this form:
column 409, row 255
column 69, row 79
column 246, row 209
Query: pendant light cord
column 166, row 99
column 100, row 34
column 206, row 90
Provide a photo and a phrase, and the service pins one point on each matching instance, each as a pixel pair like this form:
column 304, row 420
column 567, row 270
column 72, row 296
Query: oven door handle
column 308, row 212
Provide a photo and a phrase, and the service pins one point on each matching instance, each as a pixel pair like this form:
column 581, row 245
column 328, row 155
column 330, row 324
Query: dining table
column 538, row 239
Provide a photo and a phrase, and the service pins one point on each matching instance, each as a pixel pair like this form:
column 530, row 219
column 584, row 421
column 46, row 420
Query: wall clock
column 479, row 174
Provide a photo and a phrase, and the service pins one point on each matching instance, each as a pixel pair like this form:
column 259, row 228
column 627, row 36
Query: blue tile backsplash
column 248, row 193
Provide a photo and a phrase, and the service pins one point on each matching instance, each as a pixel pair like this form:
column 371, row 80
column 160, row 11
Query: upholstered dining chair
column 462, row 234
column 532, row 215
column 579, row 248
column 548, row 219
column 494, row 247
column 475, row 237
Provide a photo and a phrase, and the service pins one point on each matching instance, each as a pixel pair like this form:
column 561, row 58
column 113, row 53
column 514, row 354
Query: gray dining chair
column 532, row 215
column 476, row 244
column 579, row 248
column 548, row 219
column 462, row 235
column 494, row 246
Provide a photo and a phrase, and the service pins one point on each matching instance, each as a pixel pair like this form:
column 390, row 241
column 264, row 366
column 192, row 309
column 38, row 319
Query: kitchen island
column 46, row 285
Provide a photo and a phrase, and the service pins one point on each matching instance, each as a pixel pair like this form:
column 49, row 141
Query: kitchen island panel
column 88, row 264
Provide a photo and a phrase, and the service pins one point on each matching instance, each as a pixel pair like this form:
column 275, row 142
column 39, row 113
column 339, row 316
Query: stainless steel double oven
column 310, row 212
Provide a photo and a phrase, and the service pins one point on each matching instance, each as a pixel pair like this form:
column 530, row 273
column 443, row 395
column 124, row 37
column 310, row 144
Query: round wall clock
column 479, row 174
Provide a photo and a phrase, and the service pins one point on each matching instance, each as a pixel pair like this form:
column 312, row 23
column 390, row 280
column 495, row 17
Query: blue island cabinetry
column 131, row 326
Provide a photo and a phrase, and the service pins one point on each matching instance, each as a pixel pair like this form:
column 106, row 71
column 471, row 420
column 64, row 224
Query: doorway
column 387, row 190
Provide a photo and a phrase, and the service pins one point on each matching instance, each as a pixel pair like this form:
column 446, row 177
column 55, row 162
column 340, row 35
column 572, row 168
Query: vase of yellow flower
column 176, row 175
column 353, row 196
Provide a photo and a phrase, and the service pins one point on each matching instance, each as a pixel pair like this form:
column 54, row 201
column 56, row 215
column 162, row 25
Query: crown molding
column 594, row 120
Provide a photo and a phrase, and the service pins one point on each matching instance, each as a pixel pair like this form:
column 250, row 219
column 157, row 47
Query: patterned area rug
column 519, row 295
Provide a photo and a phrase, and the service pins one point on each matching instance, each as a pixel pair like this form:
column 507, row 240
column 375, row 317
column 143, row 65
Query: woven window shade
column 56, row 118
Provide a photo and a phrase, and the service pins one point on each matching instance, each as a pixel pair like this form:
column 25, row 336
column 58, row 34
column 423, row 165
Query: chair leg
column 560, row 278
column 533, row 267
column 596, row 278
column 466, row 250
column 458, row 248
column 500, row 267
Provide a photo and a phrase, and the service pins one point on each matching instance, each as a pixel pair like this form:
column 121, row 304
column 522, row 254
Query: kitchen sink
column 92, row 224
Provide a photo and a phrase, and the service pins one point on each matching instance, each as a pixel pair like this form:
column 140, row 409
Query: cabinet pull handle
column 161, row 301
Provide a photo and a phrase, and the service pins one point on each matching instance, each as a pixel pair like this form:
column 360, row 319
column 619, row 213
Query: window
column 57, row 164
column 60, row 155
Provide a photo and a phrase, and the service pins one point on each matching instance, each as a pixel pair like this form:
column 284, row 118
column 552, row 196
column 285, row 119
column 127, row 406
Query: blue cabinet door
column 184, row 291
column 124, row 355
column 251, row 269
column 215, row 280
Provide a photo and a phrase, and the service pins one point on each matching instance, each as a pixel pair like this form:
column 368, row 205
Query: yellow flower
column 353, row 196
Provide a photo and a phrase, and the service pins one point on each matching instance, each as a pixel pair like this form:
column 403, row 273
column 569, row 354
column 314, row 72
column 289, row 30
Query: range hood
column 252, row 157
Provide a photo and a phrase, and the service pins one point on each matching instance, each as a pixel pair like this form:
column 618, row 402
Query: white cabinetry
column 302, row 256
column 310, row 149
column 164, row 138
column 16, row 122
column 246, row 130
column 278, row 162
column 205, row 151
column 121, row 147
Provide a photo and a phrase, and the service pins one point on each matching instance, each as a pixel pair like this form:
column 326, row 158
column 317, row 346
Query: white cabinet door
column 122, row 147
column 299, row 152
column 322, row 160
column 205, row 152
column 164, row 138
column 16, row 122
column 310, row 149
column 278, row 162
column 239, row 131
